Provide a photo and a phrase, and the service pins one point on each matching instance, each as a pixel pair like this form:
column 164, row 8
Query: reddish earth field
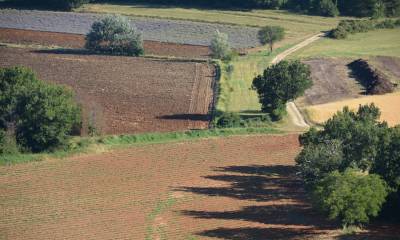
column 66, row 40
column 125, row 94
column 238, row 188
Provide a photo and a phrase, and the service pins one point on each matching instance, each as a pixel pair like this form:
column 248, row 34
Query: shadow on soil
column 272, row 184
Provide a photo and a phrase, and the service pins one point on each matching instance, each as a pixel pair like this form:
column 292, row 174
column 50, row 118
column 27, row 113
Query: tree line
column 357, row 8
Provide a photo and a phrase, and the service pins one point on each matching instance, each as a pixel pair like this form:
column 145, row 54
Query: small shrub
column 386, row 24
column 270, row 35
column 114, row 34
column 220, row 47
column 229, row 120
column 351, row 197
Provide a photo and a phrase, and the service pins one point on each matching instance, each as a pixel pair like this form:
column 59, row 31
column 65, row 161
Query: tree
column 351, row 197
column 14, row 82
column 220, row 47
column 326, row 8
column 57, row 4
column 42, row 115
column 317, row 160
column 281, row 83
column 270, row 35
column 114, row 34
column 359, row 132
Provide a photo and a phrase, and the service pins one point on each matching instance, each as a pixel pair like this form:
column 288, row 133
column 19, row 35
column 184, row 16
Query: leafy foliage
column 220, row 47
column 229, row 120
column 350, row 196
column 281, row 83
column 114, row 34
column 46, row 116
column 352, row 140
column 41, row 115
column 318, row 160
column 270, row 35
column 347, row 27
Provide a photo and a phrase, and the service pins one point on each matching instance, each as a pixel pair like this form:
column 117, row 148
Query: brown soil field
column 66, row 40
column 125, row 94
column 332, row 81
column 238, row 188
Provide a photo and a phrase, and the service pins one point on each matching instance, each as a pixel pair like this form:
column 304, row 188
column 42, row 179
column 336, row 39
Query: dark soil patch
column 332, row 81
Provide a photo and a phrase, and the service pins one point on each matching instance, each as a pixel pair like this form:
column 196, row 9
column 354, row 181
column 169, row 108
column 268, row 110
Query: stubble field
column 126, row 95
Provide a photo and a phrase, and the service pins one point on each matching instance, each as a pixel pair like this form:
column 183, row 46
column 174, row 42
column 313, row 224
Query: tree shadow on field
column 279, row 187
column 192, row 117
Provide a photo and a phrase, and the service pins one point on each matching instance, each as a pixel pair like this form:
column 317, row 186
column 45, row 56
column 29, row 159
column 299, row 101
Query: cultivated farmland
column 236, row 188
column 162, row 30
column 67, row 40
column 126, row 95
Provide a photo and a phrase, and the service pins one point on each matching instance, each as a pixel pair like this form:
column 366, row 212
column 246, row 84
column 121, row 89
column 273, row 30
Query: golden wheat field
column 389, row 105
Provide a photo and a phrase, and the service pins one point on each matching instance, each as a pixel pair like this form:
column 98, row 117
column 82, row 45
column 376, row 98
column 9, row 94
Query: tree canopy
column 281, row 83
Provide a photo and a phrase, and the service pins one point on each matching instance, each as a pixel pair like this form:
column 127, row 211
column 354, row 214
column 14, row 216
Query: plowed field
column 124, row 94
column 67, row 40
column 239, row 188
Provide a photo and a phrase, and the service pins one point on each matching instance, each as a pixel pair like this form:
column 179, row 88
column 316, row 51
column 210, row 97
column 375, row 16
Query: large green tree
column 281, row 83
column 41, row 115
column 351, row 197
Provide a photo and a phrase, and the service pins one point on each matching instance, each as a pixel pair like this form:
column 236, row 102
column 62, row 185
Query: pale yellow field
column 389, row 105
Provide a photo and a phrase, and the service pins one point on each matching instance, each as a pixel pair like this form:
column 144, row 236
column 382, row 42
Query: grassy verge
column 383, row 42
column 235, row 90
column 96, row 144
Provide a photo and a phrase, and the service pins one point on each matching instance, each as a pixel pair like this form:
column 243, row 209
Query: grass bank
column 384, row 42
column 98, row 144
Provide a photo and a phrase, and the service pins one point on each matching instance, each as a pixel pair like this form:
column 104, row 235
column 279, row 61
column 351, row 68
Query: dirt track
column 124, row 94
column 291, row 108
column 67, row 40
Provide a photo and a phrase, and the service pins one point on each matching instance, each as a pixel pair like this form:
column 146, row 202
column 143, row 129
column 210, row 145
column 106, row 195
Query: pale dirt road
column 292, row 109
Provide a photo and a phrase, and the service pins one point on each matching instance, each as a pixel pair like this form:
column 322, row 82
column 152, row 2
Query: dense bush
column 114, row 34
column 281, row 83
column 351, row 196
column 41, row 115
column 229, row 120
column 359, row 132
column 46, row 116
column 347, row 27
column 270, row 35
column 352, row 140
column 220, row 48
